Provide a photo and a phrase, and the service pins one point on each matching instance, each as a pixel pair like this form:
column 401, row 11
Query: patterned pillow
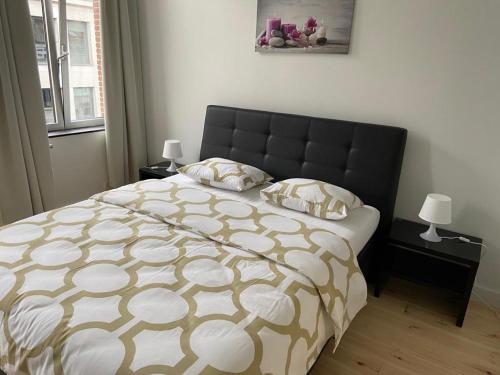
column 313, row 197
column 225, row 174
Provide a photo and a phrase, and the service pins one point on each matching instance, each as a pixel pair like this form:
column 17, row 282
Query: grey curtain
column 26, row 184
column 126, row 145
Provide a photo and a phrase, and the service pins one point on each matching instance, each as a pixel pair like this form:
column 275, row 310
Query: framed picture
column 304, row 26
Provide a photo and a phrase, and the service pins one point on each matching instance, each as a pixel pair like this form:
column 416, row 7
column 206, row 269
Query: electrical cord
column 466, row 240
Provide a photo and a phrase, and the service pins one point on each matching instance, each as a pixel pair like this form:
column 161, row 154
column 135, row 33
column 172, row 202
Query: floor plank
column 411, row 330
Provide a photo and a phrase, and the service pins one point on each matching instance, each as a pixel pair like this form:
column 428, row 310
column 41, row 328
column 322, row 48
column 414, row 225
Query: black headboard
column 363, row 158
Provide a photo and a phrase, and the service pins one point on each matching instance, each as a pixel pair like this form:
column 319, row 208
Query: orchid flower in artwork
column 310, row 26
column 311, row 23
column 299, row 37
column 295, row 35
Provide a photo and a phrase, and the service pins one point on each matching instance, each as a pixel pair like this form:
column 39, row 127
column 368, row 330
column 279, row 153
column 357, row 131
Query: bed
column 363, row 158
column 168, row 276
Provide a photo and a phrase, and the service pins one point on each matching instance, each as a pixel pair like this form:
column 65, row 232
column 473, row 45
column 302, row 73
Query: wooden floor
column 411, row 330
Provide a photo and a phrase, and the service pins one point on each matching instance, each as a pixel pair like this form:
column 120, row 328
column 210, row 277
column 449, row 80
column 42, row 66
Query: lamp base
column 172, row 167
column 431, row 234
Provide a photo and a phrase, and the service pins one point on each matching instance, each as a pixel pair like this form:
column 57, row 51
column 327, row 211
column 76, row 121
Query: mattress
column 357, row 228
column 163, row 276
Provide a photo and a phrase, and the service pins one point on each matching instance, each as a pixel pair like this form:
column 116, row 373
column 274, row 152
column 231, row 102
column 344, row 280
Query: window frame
column 61, row 68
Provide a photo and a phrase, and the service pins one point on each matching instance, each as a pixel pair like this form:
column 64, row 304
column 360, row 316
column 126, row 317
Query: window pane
column 85, row 77
column 42, row 56
column 78, row 39
column 48, row 106
column 40, row 43
column 84, row 103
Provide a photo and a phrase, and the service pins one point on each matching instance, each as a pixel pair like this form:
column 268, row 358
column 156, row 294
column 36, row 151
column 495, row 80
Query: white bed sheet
column 357, row 228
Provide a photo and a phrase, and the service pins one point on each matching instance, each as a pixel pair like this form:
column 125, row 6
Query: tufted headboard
column 363, row 158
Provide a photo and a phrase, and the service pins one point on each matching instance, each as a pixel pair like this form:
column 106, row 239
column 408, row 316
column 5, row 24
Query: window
column 84, row 102
column 40, row 44
column 69, row 62
column 48, row 106
column 47, row 98
column 78, row 42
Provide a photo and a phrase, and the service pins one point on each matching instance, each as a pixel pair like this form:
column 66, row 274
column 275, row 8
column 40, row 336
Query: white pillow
column 313, row 197
column 225, row 174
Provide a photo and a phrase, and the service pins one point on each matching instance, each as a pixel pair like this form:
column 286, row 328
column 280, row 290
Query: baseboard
column 482, row 294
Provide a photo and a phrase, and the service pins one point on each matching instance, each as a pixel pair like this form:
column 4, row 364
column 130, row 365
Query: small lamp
column 172, row 150
column 435, row 210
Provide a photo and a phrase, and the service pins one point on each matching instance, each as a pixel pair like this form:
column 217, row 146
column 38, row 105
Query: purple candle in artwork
column 272, row 24
column 287, row 28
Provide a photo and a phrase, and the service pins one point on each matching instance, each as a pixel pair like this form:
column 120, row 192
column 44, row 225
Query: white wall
column 79, row 166
column 430, row 66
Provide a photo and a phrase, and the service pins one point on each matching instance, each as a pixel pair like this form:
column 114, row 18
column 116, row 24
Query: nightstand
column 146, row 173
column 450, row 264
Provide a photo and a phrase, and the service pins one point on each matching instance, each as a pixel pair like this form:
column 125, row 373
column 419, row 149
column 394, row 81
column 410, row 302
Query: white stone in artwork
column 277, row 34
column 276, row 42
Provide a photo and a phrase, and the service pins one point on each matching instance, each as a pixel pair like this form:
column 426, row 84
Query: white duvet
column 160, row 277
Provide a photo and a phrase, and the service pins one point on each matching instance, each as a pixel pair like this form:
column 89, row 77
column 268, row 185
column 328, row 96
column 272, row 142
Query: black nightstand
column 146, row 173
column 451, row 263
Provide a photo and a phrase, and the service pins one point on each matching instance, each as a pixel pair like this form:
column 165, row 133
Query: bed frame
column 363, row 158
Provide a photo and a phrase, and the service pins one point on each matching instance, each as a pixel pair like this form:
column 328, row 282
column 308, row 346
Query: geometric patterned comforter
column 159, row 277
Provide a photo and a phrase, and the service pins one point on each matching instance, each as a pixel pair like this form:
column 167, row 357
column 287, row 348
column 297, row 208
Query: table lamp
column 435, row 210
column 172, row 150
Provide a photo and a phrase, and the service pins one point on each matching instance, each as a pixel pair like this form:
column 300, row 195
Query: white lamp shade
column 436, row 209
column 172, row 149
